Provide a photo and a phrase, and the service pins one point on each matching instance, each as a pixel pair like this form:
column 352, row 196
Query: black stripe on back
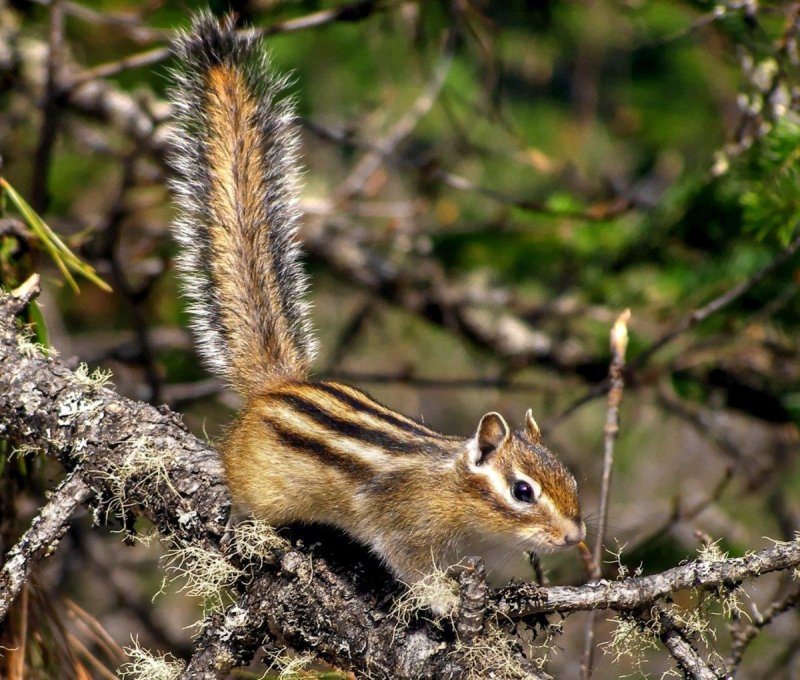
column 325, row 454
column 368, row 406
column 350, row 429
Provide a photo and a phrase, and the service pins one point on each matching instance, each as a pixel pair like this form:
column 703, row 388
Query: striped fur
column 235, row 183
column 325, row 452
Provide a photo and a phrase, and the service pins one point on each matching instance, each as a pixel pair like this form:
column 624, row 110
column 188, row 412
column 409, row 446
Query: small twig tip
column 619, row 333
column 28, row 290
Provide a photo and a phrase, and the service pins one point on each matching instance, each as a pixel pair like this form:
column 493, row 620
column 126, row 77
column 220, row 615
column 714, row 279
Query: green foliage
column 66, row 261
column 770, row 184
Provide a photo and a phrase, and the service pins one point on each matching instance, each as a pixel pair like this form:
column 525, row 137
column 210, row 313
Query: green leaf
column 36, row 316
column 64, row 258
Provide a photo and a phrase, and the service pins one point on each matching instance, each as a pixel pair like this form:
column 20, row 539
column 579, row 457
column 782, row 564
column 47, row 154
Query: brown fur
column 239, row 232
column 418, row 506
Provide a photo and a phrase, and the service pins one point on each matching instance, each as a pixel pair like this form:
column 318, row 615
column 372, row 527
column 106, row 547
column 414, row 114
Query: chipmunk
column 324, row 452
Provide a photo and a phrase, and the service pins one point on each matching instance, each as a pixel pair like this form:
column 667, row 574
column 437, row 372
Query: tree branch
column 743, row 635
column 636, row 593
column 307, row 605
column 41, row 539
column 618, row 345
column 680, row 646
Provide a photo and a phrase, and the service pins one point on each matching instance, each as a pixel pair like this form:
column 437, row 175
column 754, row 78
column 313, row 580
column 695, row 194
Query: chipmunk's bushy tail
column 236, row 188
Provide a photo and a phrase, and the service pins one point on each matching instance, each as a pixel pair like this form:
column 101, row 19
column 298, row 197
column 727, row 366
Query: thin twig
column 743, row 635
column 679, row 514
column 369, row 164
column 147, row 58
column 619, row 345
column 128, row 23
column 598, row 212
column 50, row 109
column 701, row 314
column 355, row 11
column 689, row 321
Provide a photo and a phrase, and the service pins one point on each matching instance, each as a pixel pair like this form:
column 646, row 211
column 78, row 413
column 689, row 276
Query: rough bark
column 41, row 539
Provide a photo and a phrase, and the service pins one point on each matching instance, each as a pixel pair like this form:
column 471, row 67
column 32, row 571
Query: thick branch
column 333, row 612
column 45, row 406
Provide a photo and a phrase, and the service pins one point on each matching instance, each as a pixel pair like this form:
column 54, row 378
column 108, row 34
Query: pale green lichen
column 694, row 621
column 22, row 450
column 289, row 666
column 631, row 639
column 206, row 574
column 623, row 570
column 94, row 380
column 729, row 599
column 711, row 552
column 435, row 594
column 257, row 541
column 31, row 348
column 144, row 665
column 492, row 655
column 141, row 469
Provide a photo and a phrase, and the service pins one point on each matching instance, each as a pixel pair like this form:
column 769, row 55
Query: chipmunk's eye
column 523, row 492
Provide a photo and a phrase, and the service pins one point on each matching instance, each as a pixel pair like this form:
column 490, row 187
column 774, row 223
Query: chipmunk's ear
column 491, row 435
column 532, row 426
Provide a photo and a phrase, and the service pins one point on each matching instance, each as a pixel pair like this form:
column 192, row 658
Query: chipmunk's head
column 532, row 498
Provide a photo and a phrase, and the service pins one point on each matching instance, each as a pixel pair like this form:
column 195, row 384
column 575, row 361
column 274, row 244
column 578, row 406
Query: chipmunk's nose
column 576, row 535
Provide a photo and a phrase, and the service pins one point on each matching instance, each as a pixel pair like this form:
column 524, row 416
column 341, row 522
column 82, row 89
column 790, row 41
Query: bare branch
column 41, row 539
column 369, row 164
column 619, row 345
column 636, row 593
column 689, row 321
column 718, row 303
column 44, row 406
column 355, row 11
column 677, row 641
column 744, row 634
